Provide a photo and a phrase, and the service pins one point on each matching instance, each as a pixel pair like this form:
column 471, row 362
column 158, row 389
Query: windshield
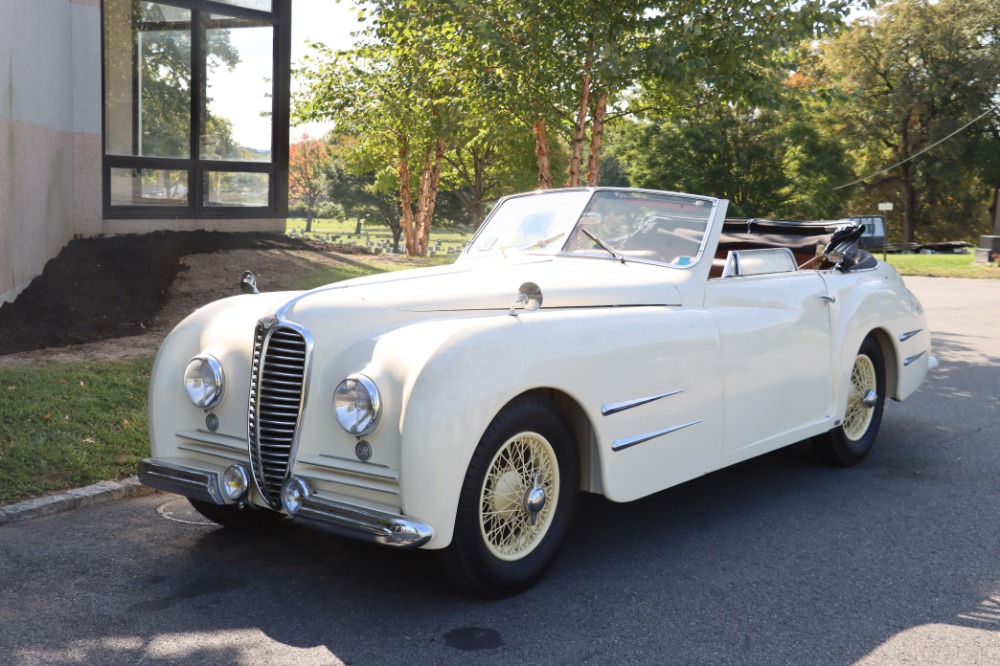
column 522, row 223
column 619, row 224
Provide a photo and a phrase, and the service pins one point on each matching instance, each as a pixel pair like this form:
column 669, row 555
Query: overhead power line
column 918, row 153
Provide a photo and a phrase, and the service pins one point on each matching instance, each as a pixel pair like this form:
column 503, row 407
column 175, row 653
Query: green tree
column 308, row 163
column 766, row 163
column 913, row 74
column 488, row 159
column 361, row 199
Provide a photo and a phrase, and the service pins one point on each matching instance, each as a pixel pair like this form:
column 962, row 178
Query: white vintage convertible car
column 613, row 341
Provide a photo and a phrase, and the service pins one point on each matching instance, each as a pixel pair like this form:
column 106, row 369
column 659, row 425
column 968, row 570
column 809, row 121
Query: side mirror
column 529, row 297
column 248, row 283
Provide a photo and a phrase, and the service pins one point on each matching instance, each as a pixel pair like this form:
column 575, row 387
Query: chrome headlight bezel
column 357, row 405
column 204, row 381
column 235, row 483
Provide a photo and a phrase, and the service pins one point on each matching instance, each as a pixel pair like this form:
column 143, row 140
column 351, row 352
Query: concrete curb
column 99, row 493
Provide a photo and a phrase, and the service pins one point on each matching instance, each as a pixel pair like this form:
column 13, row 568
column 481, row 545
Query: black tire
column 497, row 550
column 231, row 515
column 850, row 442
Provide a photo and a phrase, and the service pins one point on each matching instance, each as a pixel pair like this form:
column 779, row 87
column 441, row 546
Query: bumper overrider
column 221, row 485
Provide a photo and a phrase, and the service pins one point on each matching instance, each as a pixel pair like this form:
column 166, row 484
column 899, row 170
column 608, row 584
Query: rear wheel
column 850, row 442
column 516, row 502
column 232, row 515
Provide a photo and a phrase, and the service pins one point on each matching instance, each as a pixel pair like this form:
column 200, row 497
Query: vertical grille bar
column 277, row 380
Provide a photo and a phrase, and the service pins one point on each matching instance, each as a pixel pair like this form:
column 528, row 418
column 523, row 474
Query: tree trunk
column 309, row 220
column 995, row 211
column 404, row 196
column 542, row 156
column 597, row 140
column 909, row 204
column 430, row 181
column 396, row 233
column 576, row 163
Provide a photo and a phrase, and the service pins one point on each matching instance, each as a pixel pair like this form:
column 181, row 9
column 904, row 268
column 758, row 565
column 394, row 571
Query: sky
column 324, row 21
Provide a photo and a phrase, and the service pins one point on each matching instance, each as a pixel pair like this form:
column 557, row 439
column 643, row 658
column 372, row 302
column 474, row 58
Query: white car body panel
column 664, row 373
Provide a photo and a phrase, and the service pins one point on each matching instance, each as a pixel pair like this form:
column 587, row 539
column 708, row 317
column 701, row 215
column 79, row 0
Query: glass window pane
column 236, row 188
column 147, row 71
column 236, row 116
column 149, row 187
column 259, row 5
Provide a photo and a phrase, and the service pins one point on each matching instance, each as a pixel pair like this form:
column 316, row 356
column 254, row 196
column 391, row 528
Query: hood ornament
column 529, row 297
column 248, row 283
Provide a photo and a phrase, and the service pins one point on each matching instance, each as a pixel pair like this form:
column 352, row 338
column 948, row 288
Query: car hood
column 494, row 285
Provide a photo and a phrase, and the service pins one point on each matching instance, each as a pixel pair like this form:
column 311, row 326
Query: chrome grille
column 276, row 390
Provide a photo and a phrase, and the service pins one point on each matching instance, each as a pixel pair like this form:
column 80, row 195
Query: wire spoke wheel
column 517, row 500
column 849, row 442
column 512, row 526
column 859, row 415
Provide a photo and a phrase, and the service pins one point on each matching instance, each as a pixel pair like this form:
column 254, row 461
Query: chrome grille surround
column 278, row 381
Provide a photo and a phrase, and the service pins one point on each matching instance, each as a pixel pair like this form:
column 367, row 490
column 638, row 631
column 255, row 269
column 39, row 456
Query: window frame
column 194, row 166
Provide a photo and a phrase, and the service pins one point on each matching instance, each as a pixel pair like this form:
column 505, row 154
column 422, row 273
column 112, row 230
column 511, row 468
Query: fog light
column 235, row 483
column 293, row 494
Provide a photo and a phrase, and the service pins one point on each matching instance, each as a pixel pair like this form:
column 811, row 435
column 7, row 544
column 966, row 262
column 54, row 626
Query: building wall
column 50, row 139
column 36, row 136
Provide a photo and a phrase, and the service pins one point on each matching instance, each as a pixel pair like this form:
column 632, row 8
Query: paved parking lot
column 779, row 560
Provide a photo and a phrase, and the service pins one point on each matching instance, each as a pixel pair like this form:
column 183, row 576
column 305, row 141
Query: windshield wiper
column 533, row 245
column 604, row 245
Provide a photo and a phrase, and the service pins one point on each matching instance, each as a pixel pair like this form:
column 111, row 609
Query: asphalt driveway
column 779, row 560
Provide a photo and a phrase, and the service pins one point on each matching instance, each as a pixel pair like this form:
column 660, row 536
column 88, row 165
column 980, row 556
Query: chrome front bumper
column 202, row 481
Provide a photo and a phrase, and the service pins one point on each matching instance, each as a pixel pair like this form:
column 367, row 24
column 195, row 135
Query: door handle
column 828, row 299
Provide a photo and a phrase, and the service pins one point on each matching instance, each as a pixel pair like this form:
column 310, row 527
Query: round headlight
column 204, row 381
column 357, row 405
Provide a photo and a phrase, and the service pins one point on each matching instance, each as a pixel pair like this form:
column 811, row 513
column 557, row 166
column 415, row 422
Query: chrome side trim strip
column 909, row 334
column 615, row 407
column 910, row 359
column 387, row 529
column 622, row 444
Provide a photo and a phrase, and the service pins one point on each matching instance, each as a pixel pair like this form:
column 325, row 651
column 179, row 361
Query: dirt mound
column 101, row 288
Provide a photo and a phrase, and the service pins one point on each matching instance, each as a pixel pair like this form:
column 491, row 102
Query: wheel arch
column 890, row 354
column 850, row 349
column 583, row 432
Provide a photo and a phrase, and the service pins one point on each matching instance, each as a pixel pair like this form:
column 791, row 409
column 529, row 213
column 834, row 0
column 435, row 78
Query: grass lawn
column 374, row 235
column 67, row 425
column 942, row 265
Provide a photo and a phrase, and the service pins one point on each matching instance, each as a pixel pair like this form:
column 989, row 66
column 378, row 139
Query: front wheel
column 516, row 502
column 850, row 442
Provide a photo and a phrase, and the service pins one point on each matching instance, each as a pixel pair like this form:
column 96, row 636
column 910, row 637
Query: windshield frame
column 543, row 242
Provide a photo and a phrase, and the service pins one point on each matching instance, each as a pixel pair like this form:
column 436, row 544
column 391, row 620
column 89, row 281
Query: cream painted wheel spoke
column 504, row 517
column 859, row 415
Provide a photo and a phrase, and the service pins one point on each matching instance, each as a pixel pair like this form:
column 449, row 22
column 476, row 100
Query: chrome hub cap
column 519, row 496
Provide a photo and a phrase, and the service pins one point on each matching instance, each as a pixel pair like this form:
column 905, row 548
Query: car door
column 774, row 332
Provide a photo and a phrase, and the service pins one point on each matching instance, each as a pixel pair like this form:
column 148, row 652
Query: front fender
column 877, row 303
column 452, row 377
